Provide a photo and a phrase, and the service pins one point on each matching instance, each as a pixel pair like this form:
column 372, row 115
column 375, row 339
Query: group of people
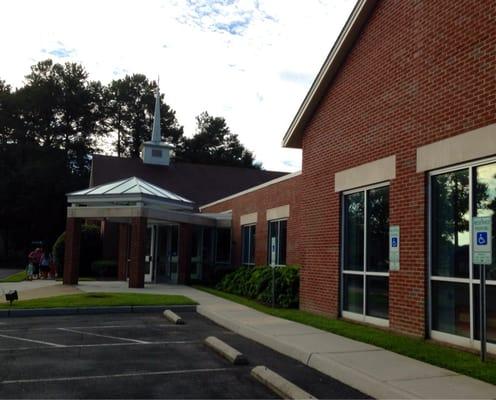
column 40, row 265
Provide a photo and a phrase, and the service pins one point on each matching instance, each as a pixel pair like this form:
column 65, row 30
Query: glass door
column 172, row 265
column 149, row 252
column 197, row 254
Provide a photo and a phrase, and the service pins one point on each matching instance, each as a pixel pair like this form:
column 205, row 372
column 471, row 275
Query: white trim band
column 247, row 219
column 381, row 170
column 278, row 212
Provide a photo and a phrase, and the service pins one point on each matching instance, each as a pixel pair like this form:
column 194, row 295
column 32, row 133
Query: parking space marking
column 124, row 375
column 32, row 341
column 104, row 336
column 69, row 346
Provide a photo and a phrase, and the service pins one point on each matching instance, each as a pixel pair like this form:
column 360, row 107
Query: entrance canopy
column 133, row 197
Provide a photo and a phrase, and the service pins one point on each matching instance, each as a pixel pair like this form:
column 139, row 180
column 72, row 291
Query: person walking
column 45, row 260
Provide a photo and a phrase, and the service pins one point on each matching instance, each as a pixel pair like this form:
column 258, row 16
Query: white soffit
column 278, row 212
column 248, row 219
column 467, row 146
column 376, row 171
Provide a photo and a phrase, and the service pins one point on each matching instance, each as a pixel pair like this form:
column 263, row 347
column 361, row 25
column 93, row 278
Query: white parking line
column 69, row 346
column 105, row 336
column 32, row 341
column 125, row 375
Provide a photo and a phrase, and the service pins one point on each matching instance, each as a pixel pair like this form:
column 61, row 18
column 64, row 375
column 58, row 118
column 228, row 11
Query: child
column 29, row 271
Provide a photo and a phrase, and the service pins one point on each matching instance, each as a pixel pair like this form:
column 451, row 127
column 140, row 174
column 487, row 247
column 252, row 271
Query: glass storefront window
column 248, row 250
column 366, row 252
column 223, row 246
column 456, row 197
column 278, row 230
column 353, row 231
column 450, row 224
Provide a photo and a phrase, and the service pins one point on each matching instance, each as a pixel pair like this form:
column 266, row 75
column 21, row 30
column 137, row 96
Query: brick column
column 123, row 252
column 137, row 265
column 72, row 251
column 185, row 237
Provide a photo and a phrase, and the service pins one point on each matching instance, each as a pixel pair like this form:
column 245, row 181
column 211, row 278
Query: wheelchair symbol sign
column 482, row 238
column 394, row 242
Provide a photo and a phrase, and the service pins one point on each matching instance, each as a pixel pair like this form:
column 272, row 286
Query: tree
column 214, row 143
column 130, row 105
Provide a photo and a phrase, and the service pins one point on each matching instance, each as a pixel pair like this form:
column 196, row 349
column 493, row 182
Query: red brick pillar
column 72, row 251
column 185, row 237
column 137, row 265
column 123, row 252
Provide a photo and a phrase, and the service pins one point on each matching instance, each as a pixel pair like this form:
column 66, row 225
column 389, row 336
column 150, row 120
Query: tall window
column 223, row 246
column 366, row 254
column 277, row 230
column 248, row 247
column 456, row 196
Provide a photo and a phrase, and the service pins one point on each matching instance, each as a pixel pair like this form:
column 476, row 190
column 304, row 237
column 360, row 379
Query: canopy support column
column 137, row 267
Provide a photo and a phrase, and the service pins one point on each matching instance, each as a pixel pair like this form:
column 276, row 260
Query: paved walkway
column 372, row 370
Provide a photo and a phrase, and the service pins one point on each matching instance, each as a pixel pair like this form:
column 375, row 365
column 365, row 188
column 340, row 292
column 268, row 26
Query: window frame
column 471, row 281
column 363, row 317
column 278, row 241
column 250, row 228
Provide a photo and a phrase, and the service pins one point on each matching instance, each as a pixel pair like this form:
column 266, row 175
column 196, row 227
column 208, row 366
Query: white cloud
column 249, row 61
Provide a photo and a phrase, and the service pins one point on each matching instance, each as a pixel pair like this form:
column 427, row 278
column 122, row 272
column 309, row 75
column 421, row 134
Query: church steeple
column 156, row 134
column 155, row 151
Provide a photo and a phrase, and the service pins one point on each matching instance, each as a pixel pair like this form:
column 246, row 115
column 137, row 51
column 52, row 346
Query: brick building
column 397, row 130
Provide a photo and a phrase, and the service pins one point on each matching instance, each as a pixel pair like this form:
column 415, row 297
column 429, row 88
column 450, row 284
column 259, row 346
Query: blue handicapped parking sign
column 394, row 242
column 481, row 238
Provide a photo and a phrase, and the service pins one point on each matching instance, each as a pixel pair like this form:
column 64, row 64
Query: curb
column 278, row 384
column 351, row 377
column 35, row 312
column 229, row 353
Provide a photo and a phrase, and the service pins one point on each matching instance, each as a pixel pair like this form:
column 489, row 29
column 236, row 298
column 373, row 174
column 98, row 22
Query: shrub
column 104, row 268
column 256, row 283
column 91, row 249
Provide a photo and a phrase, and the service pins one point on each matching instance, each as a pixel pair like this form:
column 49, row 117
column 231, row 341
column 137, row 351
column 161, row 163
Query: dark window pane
column 223, row 247
column 377, row 296
column 353, row 231
column 245, row 233
column 353, row 293
column 273, row 228
column 450, row 224
column 283, row 225
column 252, row 244
column 378, row 229
column 485, row 206
column 490, row 313
column 451, row 308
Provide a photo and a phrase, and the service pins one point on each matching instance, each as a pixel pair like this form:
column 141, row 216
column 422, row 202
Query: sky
column 249, row 61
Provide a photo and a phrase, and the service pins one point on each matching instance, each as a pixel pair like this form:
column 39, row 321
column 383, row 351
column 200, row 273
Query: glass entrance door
column 149, row 252
column 172, row 266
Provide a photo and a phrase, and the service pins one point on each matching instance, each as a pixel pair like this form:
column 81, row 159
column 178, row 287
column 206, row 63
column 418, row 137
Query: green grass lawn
column 102, row 300
column 17, row 277
column 456, row 360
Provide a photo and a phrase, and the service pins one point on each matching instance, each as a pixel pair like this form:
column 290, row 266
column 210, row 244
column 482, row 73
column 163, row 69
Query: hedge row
column 256, row 283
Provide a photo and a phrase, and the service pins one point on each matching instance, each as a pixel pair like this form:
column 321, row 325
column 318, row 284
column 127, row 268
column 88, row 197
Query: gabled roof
column 127, row 190
column 199, row 183
column 338, row 53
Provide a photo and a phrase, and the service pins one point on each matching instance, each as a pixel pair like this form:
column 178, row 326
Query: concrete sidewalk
column 372, row 370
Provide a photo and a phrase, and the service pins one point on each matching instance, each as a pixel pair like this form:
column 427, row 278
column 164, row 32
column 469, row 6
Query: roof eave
column 338, row 53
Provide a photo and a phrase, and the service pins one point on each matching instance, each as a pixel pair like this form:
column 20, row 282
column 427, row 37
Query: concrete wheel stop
column 229, row 353
column 278, row 384
column 173, row 317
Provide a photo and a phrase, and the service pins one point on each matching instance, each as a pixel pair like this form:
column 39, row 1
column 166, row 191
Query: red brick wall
column 420, row 71
column 275, row 195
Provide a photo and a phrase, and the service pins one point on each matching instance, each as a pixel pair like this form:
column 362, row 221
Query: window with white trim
column 248, row 234
column 365, row 254
column 457, row 195
column 277, row 229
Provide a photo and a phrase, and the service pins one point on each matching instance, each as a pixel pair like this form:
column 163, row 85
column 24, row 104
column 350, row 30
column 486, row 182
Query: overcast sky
column 249, row 61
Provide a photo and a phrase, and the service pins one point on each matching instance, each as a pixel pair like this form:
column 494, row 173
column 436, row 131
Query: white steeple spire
column 156, row 134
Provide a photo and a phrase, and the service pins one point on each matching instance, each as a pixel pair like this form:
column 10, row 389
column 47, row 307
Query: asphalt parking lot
column 139, row 356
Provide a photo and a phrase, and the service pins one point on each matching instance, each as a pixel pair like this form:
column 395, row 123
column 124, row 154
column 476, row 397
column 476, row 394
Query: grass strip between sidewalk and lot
column 102, row 299
column 460, row 361
column 17, row 277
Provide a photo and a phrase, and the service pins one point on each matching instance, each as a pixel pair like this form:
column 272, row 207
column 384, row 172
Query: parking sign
column 482, row 240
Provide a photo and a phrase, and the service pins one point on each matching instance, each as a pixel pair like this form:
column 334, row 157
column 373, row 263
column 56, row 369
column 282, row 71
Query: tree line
column 50, row 127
